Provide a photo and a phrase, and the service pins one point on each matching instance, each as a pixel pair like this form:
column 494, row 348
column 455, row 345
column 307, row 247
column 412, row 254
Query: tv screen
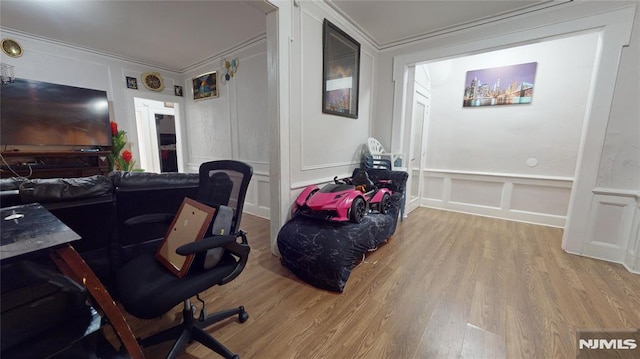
column 41, row 113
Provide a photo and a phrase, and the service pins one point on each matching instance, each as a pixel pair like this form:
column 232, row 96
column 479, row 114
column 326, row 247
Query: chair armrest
column 241, row 250
column 229, row 242
column 205, row 244
column 150, row 218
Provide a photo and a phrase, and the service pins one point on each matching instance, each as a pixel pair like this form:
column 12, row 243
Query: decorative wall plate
column 11, row 48
column 152, row 81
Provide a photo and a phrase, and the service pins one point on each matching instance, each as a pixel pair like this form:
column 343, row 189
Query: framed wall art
column 340, row 72
column 506, row 85
column 132, row 83
column 153, row 81
column 205, row 86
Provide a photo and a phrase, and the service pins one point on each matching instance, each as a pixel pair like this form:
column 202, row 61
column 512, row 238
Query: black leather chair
column 147, row 289
column 361, row 178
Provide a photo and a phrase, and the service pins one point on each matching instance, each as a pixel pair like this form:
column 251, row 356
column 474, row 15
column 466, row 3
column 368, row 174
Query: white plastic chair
column 377, row 151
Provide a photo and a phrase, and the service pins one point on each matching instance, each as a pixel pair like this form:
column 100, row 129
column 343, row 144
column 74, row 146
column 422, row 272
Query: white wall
column 323, row 146
column 500, row 139
column 48, row 61
column 307, row 146
column 484, row 156
column 613, row 21
column 234, row 125
column 613, row 232
column 620, row 165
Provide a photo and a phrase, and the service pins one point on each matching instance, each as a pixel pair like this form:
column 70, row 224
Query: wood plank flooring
column 446, row 285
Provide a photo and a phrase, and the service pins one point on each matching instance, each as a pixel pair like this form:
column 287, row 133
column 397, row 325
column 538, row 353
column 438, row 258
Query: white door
column 417, row 150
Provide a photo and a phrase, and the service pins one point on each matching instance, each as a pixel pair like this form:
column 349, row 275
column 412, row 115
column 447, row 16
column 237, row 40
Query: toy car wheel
column 358, row 210
column 385, row 204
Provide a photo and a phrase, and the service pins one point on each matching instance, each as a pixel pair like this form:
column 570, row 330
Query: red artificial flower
column 127, row 156
column 114, row 128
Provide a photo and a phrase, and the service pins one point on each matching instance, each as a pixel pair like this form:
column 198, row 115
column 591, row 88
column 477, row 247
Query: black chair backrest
column 225, row 182
column 361, row 178
column 219, row 188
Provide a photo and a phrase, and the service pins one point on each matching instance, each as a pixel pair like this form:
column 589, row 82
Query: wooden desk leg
column 72, row 265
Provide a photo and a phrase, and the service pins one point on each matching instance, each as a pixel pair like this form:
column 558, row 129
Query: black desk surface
column 36, row 229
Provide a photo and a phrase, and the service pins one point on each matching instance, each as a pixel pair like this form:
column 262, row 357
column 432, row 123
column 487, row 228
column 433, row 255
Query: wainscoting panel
column 478, row 192
column 632, row 257
column 613, row 232
column 264, row 196
column 540, row 200
column 257, row 200
column 433, row 188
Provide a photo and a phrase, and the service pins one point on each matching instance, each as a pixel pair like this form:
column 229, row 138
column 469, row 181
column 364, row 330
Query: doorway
column 419, row 126
column 157, row 125
column 501, row 161
column 166, row 132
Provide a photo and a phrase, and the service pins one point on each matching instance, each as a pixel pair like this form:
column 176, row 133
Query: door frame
column 423, row 97
column 147, row 133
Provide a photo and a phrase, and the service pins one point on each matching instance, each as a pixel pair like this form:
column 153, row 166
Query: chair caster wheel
column 235, row 356
column 243, row 316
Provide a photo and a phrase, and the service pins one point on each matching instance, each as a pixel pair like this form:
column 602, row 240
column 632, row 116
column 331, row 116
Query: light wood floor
column 446, row 285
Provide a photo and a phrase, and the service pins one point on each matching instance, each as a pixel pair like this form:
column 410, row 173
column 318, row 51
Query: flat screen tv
column 38, row 113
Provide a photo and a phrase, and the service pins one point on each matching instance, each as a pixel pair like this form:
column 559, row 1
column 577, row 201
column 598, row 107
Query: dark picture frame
column 177, row 90
column 205, row 86
column 505, row 85
column 132, row 83
column 340, row 72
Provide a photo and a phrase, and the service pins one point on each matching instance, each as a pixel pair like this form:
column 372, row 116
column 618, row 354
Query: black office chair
column 147, row 289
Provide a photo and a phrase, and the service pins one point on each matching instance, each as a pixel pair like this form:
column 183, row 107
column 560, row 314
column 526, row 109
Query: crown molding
column 227, row 52
column 220, row 54
column 449, row 29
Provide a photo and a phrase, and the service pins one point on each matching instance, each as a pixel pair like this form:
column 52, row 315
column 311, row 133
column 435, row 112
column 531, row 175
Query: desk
column 31, row 228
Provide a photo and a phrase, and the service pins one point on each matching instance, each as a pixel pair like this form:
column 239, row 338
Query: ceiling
column 173, row 35
column 388, row 23
column 177, row 35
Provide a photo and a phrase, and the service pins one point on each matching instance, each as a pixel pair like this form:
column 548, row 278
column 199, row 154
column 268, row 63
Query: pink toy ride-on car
column 347, row 199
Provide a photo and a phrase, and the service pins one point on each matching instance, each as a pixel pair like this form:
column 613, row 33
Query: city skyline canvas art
column 506, row 85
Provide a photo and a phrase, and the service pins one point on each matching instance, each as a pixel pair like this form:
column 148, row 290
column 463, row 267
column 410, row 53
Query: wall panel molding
column 533, row 199
column 613, row 233
column 258, row 199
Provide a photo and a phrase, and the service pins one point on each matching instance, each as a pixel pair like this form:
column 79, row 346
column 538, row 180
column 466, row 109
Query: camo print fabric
column 323, row 253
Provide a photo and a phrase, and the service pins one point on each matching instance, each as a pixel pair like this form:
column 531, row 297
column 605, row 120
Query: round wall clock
column 11, row 48
column 152, row 81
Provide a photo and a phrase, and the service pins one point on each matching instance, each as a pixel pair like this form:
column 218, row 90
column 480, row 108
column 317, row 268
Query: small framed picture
column 205, row 86
column 177, row 90
column 132, row 83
